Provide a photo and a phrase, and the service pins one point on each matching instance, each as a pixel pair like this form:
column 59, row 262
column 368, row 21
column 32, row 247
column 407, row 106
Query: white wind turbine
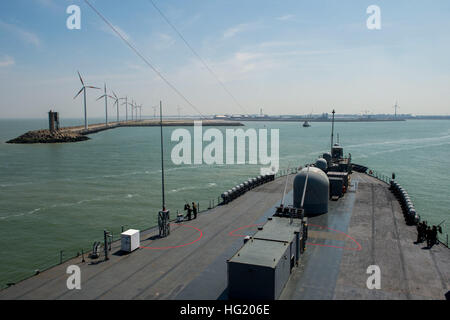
column 140, row 112
column 136, row 107
column 133, row 107
column 126, row 106
column 83, row 89
column 116, row 102
column 396, row 107
column 106, row 96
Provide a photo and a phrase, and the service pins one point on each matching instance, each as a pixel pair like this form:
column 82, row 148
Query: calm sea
column 62, row 196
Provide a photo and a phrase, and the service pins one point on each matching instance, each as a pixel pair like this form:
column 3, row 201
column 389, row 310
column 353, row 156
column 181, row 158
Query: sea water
column 60, row 197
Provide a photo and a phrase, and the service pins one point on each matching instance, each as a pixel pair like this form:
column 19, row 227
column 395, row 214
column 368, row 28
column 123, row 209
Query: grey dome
column 317, row 191
column 322, row 164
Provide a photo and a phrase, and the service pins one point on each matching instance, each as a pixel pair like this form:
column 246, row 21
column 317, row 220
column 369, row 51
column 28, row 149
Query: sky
column 284, row 56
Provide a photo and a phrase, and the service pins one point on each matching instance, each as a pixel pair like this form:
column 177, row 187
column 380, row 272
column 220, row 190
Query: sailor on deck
column 194, row 209
column 429, row 237
column 189, row 211
column 421, row 231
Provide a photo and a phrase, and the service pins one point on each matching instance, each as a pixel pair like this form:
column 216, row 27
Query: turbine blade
column 79, row 93
column 81, row 79
column 93, row 87
column 101, row 97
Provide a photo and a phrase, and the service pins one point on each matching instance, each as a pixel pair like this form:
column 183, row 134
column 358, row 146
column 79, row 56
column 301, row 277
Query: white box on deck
column 130, row 240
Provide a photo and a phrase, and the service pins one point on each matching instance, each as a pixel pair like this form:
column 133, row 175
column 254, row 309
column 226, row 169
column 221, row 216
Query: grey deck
column 372, row 216
column 333, row 267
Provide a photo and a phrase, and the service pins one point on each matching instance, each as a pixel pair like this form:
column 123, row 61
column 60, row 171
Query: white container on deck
column 130, row 240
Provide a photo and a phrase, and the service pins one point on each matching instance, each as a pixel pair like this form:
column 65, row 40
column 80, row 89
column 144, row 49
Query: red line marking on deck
column 182, row 245
column 231, row 234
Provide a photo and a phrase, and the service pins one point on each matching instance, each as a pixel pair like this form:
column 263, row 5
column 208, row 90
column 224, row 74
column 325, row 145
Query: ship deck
column 366, row 227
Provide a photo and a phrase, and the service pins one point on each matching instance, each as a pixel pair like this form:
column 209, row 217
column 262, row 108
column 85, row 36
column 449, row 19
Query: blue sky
column 284, row 56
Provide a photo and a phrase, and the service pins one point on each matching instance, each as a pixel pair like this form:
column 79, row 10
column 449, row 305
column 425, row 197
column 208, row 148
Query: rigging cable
column 198, row 56
column 132, row 47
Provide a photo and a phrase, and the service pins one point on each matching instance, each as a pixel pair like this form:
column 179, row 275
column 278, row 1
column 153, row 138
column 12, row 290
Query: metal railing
column 443, row 239
column 62, row 256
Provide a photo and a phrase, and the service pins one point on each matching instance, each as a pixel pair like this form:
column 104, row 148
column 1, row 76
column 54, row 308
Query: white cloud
column 247, row 56
column 24, row 35
column 7, row 61
column 165, row 40
column 270, row 44
column 231, row 32
column 107, row 29
column 286, row 17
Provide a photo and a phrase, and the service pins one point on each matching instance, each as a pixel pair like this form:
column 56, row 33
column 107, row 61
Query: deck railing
column 62, row 256
column 202, row 206
column 442, row 238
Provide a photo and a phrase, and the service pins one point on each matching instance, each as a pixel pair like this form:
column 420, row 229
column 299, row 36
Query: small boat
column 306, row 124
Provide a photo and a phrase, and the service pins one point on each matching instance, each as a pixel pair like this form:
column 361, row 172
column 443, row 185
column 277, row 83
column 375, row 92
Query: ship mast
column 162, row 158
column 332, row 132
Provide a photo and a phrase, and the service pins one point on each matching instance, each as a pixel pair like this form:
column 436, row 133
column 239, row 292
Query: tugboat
column 306, row 124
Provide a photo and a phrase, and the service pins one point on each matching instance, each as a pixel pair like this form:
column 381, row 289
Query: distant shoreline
column 321, row 120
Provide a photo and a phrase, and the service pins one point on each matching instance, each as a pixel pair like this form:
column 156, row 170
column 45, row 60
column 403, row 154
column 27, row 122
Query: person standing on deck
column 429, row 237
column 420, row 232
column 194, row 209
column 434, row 234
column 189, row 212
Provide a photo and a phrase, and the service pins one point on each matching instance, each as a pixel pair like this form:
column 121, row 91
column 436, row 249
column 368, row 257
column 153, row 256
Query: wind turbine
column 132, row 112
column 154, row 111
column 133, row 107
column 366, row 113
column 116, row 102
column 126, row 107
column 83, row 89
column 396, row 107
column 140, row 112
column 179, row 109
column 106, row 96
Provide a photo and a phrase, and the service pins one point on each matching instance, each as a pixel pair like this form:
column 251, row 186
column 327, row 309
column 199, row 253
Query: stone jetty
column 47, row 136
column 76, row 134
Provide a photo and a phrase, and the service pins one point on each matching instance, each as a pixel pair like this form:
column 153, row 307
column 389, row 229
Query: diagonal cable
column 132, row 47
column 197, row 55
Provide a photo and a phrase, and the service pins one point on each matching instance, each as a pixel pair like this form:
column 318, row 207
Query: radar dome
column 327, row 157
column 322, row 164
column 317, row 191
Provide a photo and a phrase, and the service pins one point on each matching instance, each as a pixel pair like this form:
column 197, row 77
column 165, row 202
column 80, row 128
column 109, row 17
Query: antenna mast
column 332, row 132
column 162, row 158
column 106, row 106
